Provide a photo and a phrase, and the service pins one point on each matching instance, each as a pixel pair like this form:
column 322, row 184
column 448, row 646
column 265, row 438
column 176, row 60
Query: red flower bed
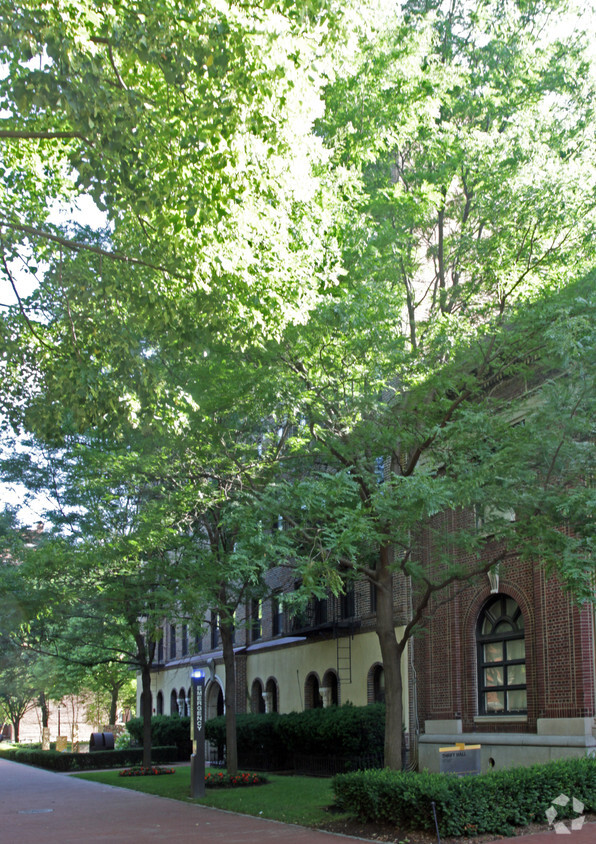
column 221, row 780
column 139, row 771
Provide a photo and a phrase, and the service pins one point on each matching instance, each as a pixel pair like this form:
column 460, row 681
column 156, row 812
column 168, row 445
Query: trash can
column 101, row 741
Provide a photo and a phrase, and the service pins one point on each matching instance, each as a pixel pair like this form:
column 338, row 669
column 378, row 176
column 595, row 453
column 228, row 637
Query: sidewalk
column 43, row 807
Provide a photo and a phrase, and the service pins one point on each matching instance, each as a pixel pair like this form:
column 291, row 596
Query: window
column 184, row 639
column 172, row 641
column 501, row 658
column 277, row 616
column 198, row 642
column 373, row 597
column 256, row 611
column 320, row 611
column 347, row 603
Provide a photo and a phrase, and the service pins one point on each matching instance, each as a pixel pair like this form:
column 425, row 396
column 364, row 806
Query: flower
column 231, row 781
column 139, row 771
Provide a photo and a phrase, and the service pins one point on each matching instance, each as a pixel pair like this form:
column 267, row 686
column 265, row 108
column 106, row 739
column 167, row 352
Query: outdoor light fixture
column 197, row 760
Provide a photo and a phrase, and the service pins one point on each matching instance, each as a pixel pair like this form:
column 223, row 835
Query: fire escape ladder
column 344, row 654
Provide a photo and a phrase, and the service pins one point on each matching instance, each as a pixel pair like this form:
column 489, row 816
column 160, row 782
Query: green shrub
column 165, row 729
column 55, row 761
column 254, row 733
column 334, row 731
column 493, row 803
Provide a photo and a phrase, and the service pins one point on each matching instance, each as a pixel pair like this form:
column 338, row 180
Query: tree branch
column 87, row 247
column 29, row 135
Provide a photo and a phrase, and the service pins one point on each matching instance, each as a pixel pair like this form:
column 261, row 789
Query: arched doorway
column 257, row 704
column 214, row 700
column 331, row 686
column 378, row 679
column 272, row 695
column 312, row 695
column 174, row 702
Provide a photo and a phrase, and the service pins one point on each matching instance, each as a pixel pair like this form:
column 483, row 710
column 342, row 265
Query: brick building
column 507, row 662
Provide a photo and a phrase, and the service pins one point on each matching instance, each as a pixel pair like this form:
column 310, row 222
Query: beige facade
column 278, row 674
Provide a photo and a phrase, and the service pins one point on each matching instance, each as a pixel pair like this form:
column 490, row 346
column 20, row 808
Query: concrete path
column 40, row 807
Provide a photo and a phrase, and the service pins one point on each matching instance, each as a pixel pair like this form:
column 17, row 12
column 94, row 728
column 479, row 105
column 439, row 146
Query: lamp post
column 197, row 760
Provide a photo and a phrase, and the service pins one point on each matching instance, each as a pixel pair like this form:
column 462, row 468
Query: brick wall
column 559, row 644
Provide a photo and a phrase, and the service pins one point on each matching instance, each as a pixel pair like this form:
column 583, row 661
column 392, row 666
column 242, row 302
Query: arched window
column 501, row 658
column 160, row 703
column 378, row 679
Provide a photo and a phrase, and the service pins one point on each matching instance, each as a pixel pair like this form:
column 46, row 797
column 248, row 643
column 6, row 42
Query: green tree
column 471, row 141
column 451, row 176
column 19, row 685
column 191, row 128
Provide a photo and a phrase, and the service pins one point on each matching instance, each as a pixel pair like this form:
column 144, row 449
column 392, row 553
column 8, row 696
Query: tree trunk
column 16, row 723
column 114, row 705
column 45, row 709
column 391, row 653
column 146, row 686
column 227, row 643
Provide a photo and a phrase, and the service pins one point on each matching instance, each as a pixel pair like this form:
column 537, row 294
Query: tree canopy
column 349, row 249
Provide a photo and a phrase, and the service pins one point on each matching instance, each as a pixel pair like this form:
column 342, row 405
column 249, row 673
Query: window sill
column 500, row 719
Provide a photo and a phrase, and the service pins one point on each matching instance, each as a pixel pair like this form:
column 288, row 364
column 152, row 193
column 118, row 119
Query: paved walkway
column 40, row 807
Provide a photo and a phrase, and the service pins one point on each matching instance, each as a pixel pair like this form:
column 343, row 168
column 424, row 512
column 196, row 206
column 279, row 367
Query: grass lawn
column 301, row 800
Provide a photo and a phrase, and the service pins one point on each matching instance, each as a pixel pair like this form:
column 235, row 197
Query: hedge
column 166, row 730
column 56, row 761
column 333, row 731
column 493, row 803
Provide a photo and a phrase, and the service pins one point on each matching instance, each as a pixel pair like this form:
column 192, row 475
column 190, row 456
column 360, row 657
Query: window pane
column 487, row 625
column 493, row 652
column 517, row 700
column 494, row 677
column 516, row 675
column 516, row 649
column 494, row 701
column 510, row 608
column 504, row 627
